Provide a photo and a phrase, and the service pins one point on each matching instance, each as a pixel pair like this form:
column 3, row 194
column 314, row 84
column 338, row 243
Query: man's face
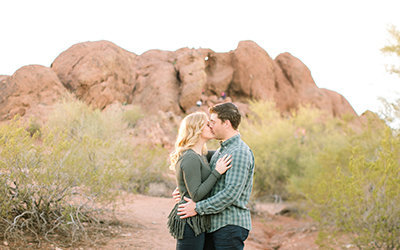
column 217, row 126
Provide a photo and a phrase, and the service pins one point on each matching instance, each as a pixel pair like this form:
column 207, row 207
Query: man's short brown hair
column 227, row 111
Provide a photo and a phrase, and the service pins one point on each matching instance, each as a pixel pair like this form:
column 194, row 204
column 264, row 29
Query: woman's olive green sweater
column 195, row 180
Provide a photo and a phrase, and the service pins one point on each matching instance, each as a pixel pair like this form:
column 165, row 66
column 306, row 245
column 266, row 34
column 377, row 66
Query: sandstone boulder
column 190, row 64
column 253, row 75
column 156, row 84
column 306, row 91
column 297, row 73
column 340, row 106
column 3, row 78
column 3, row 87
column 98, row 73
column 219, row 72
column 285, row 96
column 29, row 88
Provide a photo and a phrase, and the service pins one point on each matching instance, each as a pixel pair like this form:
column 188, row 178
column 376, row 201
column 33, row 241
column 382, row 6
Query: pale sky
column 339, row 41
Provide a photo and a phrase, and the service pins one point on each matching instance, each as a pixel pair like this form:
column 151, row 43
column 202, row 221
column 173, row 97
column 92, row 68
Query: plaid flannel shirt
column 231, row 193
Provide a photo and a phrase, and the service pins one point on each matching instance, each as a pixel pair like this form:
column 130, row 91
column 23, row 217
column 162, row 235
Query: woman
column 194, row 178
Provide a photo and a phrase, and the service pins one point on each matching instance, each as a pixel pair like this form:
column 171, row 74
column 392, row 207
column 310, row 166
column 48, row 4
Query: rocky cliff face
column 101, row 73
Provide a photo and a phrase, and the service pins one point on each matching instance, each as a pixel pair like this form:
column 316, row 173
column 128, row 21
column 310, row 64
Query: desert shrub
column 354, row 189
column 336, row 152
column 48, row 186
column 148, row 166
column 79, row 119
column 143, row 163
column 131, row 116
column 347, row 172
column 362, row 198
column 54, row 187
column 33, row 127
column 287, row 147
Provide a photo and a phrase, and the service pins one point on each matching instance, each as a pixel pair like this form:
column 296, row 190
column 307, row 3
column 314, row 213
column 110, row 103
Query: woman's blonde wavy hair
column 189, row 134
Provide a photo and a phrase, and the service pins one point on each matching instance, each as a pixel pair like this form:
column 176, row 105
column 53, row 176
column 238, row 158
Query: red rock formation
column 191, row 65
column 156, row 84
column 29, row 88
column 99, row 73
column 219, row 72
column 253, row 75
column 307, row 92
column 3, row 78
column 3, row 87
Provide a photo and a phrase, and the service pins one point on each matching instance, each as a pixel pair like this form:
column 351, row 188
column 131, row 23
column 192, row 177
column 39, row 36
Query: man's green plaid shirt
column 231, row 193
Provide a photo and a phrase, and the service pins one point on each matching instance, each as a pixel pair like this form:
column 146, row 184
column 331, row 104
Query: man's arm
column 235, row 182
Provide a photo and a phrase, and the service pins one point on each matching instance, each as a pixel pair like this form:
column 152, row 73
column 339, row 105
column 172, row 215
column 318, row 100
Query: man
column 230, row 219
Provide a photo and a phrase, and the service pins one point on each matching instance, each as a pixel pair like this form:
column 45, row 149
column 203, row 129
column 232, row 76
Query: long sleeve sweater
column 195, row 180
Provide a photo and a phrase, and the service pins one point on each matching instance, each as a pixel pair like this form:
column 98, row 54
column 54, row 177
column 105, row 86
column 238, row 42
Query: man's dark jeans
column 227, row 237
column 190, row 241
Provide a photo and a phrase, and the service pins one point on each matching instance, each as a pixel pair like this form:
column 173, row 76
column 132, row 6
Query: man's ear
column 227, row 123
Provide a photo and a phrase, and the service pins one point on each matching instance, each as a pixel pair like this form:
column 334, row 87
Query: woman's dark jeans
column 190, row 241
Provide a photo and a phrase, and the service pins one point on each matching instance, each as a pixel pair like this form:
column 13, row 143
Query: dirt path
column 148, row 218
column 142, row 225
column 145, row 218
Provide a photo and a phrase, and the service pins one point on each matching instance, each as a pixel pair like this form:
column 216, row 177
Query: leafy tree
column 393, row 48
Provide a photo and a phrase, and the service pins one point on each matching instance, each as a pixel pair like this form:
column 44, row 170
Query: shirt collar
column 230, row 141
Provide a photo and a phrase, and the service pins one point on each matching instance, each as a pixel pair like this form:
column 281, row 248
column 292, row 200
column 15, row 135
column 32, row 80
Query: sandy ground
column 142, row 225
column 147, row 218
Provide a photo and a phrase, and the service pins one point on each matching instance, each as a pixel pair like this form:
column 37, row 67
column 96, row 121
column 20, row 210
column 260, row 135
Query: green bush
column 148, row 164
column 79, row 120
column 48, row 185
column 143, row 163
column 54, row 187
column 131, row 116
column 336, row 152
column 34, row 128
column 362, row 198
column 287, row 147
column 349, row 174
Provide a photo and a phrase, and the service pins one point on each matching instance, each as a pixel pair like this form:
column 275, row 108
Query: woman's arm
column 191, row 167
column 235, row 182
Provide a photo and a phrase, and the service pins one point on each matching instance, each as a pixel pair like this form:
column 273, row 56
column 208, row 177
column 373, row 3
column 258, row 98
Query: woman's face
column 207, row 133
